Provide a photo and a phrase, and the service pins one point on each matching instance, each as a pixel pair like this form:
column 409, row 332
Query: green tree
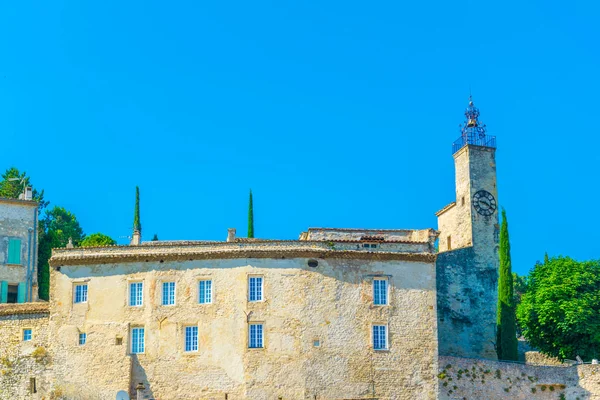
column 137, row 225
column 506, row 338
column 250, row 217
column 560, row 310
column 519, row 288
column 13, row 184
column 56, row 228
column 97, row 240
column 155, row 238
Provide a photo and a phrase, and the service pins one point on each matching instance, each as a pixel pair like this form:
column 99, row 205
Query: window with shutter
column 14, row 251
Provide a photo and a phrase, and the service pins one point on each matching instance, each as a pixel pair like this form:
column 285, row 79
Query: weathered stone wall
column 466, row 298
column 18, row 220
column 461, row 378
column 20, row 361
column 331, row 303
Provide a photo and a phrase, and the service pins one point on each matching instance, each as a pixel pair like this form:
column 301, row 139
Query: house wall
column 331, row 303
column 20, row 361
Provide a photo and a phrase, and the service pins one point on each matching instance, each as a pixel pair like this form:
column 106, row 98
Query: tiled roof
column 24, row 308
column 228, row 250
column 19, row 202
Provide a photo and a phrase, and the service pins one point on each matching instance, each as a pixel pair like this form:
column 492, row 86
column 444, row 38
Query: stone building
column 18, row 250
column 337, row 314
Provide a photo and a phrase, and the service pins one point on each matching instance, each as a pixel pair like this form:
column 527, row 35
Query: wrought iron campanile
column 472, row 131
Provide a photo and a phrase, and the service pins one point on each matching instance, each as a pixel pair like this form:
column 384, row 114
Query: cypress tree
column 155, row 238
column 137, row 226
column 250, row 217
column 506, row 338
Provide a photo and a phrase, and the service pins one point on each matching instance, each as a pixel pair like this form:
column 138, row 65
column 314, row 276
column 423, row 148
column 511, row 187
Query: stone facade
column 317, row 322
column 24, row 364
column 18, row 236
column 467, row 265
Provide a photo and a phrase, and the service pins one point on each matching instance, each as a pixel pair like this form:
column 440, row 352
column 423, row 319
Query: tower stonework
column 467, row 263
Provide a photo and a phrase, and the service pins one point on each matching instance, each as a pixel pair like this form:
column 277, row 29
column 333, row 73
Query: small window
column 255, row 336
column 370, row 245
column 137, row 340
column 191, row 338
column 205, row 292
column 380, row 291
column 81, row 293
column 255, row 288
column 380, row 337
column 463, row 200
column 82, row 338
column 168, row 293
column 449, row 240
column 118, row 341
column 136, row 294
column 32, row 386
column 316, row 343
column 14, row 251
column 26, row 335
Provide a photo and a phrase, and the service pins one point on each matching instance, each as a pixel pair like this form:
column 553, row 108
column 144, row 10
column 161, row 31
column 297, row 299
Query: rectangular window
column 191, row 338
column 255, row 288
column 82, row 338
column 136, row 292
column 81, row 293
column 255, row 336
column 168, row 293
column 380, row 337
column 14, row 251
column 137, row 340
column 26, row 335
column 380, row 291
column 205, row 292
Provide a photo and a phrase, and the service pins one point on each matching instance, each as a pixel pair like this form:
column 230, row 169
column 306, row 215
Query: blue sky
column 336, row 114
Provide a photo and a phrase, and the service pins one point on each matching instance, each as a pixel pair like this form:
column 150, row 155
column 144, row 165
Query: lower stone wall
column 463, row 378
column 24, row 365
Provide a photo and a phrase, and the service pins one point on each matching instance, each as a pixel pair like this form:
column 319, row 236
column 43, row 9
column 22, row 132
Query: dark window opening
column 449, row 242
column 119, row 341
column 370, row 245
column 463, row 200
column 32, row 386
column 13, row 291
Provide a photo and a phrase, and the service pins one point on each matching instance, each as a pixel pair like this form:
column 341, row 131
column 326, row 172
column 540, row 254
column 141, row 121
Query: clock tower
column 467, row 263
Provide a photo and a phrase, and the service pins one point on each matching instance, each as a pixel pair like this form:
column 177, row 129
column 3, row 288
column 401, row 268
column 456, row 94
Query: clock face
column 484, row 203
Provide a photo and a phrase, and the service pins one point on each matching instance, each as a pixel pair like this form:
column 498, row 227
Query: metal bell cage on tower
column 471, row 132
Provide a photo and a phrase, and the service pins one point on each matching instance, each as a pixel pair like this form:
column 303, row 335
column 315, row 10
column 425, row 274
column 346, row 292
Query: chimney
column 137, row 238
column 28, row 193
column 70, row 244
column 231, row 235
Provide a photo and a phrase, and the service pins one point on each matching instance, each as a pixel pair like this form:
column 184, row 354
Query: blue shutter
column 14, row 251
column 21, row 293
column 3, row 292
